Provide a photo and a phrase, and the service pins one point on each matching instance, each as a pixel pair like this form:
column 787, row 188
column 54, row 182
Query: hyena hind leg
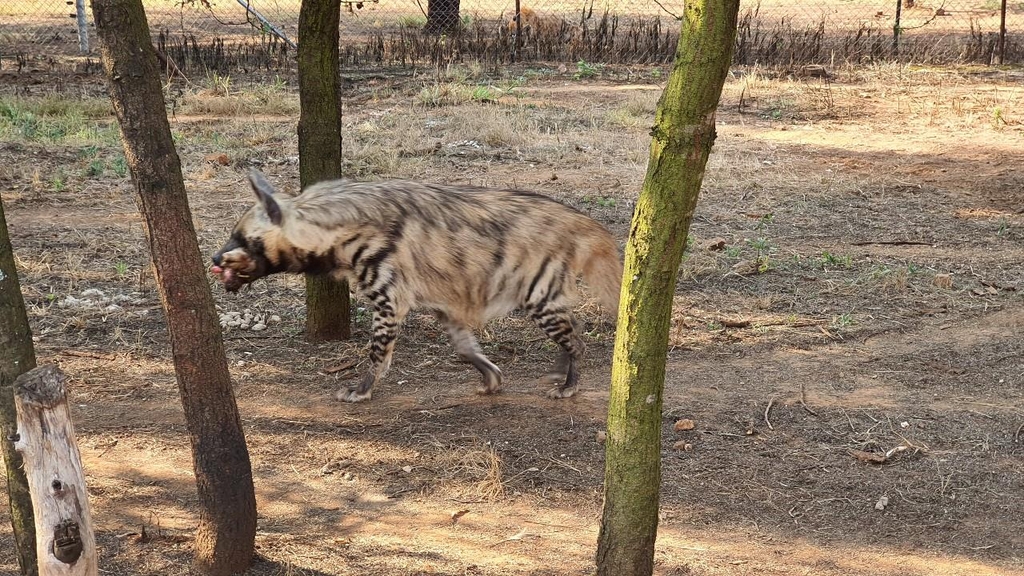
column 382, row 347
column 562, row 328
column 468, row 348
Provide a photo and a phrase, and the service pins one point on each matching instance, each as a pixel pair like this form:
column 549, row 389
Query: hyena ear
column 265, row 192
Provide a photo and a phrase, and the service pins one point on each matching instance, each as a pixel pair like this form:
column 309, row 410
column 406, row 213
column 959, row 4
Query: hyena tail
column 602, row 271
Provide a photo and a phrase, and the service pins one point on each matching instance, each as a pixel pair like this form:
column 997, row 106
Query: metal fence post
column 1002, row 32
column 81, row 17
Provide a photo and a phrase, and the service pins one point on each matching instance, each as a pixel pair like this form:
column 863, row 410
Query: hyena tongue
column 222, row 274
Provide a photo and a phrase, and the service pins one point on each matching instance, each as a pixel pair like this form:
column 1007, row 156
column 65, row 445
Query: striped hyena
column 467, row 254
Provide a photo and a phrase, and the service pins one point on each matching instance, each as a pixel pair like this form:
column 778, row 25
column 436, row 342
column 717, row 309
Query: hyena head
column 256, row 247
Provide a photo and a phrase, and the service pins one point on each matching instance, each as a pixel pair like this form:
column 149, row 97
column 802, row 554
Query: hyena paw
column 491, row 383
column 559, row 392
column 352, row 395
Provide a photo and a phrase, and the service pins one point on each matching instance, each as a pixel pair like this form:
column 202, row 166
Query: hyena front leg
column 468, row 348
column 560, row 326
column 386, row 323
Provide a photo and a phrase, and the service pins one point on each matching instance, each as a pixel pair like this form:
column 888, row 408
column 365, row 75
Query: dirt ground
column 846, row 336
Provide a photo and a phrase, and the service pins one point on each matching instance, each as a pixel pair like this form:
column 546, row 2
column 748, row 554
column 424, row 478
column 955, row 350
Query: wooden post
column 65, row 543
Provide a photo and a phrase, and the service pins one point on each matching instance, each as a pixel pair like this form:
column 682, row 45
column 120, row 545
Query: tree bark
column 46, row 441
column 225, row 535
column 328, row 316
column 443, row 17
column 17, row 356
column 683, row 133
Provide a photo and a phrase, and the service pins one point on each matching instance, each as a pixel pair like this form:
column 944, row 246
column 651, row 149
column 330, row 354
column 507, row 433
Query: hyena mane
column 465, row 253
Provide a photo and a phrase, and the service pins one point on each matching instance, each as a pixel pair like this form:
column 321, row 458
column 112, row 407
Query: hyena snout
column 233, row 269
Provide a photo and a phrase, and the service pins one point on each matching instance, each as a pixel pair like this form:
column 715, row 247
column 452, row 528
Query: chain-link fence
column 232, row 34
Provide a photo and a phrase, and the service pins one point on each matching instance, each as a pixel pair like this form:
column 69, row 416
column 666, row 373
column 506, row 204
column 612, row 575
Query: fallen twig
column 89, row 354
column 766, row 411
column 1016, row 435
column 892, row 243
column 803, row 400
column 341, row 367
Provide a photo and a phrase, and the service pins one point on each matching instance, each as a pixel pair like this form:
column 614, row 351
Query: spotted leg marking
column 386, row 323
column 560, row 326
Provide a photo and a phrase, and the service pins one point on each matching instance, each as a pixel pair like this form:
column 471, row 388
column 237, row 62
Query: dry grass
column 855, row 330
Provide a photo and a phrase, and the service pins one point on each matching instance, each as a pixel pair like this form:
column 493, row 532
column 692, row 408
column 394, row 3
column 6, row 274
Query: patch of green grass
column 843, row 321
column 829, row 260
column 52, row 120
column 218, row 85
column 484, row 94
column 415, row 22
column 602, row 201
column 58, row 182
column 585, row 70
column 120, row 166
column 1004, row 227
column 96, row 168
column 121, row 268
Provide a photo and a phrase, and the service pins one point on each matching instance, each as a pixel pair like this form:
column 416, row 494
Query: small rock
column 684, row 424
column 944, row 281
column 348, row 477
column 275, row 318
column 258, row 326
column 882, row 503
column 407, row 469
column 601, row 436
column 680, row 445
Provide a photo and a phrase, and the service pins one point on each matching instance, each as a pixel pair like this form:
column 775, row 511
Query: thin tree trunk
column 443, row 16
column 683, row 133
column 17, row 356
column 46, row 441
column 227, row 516
column 327, row 301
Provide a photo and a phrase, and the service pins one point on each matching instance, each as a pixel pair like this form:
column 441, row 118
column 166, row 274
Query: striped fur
column 467, row 254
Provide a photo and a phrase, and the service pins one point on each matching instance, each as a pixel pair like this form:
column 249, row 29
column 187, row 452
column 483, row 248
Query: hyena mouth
column 231, row 279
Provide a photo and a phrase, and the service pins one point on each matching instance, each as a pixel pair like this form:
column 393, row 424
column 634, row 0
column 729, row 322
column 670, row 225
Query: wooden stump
column 65, row 543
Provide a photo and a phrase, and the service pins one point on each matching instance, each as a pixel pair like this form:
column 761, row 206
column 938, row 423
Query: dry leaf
column 458, row 514
column 216, row 158
column 868, row 457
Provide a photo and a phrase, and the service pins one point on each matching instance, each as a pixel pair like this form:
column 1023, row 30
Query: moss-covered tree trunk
column 225, row 537
column 327, row 301
column 17, row 356
column 683, row 133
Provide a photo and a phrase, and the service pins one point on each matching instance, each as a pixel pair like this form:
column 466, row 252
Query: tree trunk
column 443, row 17
column 327, row 301
column 17, row 356
column 46, row 442
column 226, row 533
column 683, row 133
